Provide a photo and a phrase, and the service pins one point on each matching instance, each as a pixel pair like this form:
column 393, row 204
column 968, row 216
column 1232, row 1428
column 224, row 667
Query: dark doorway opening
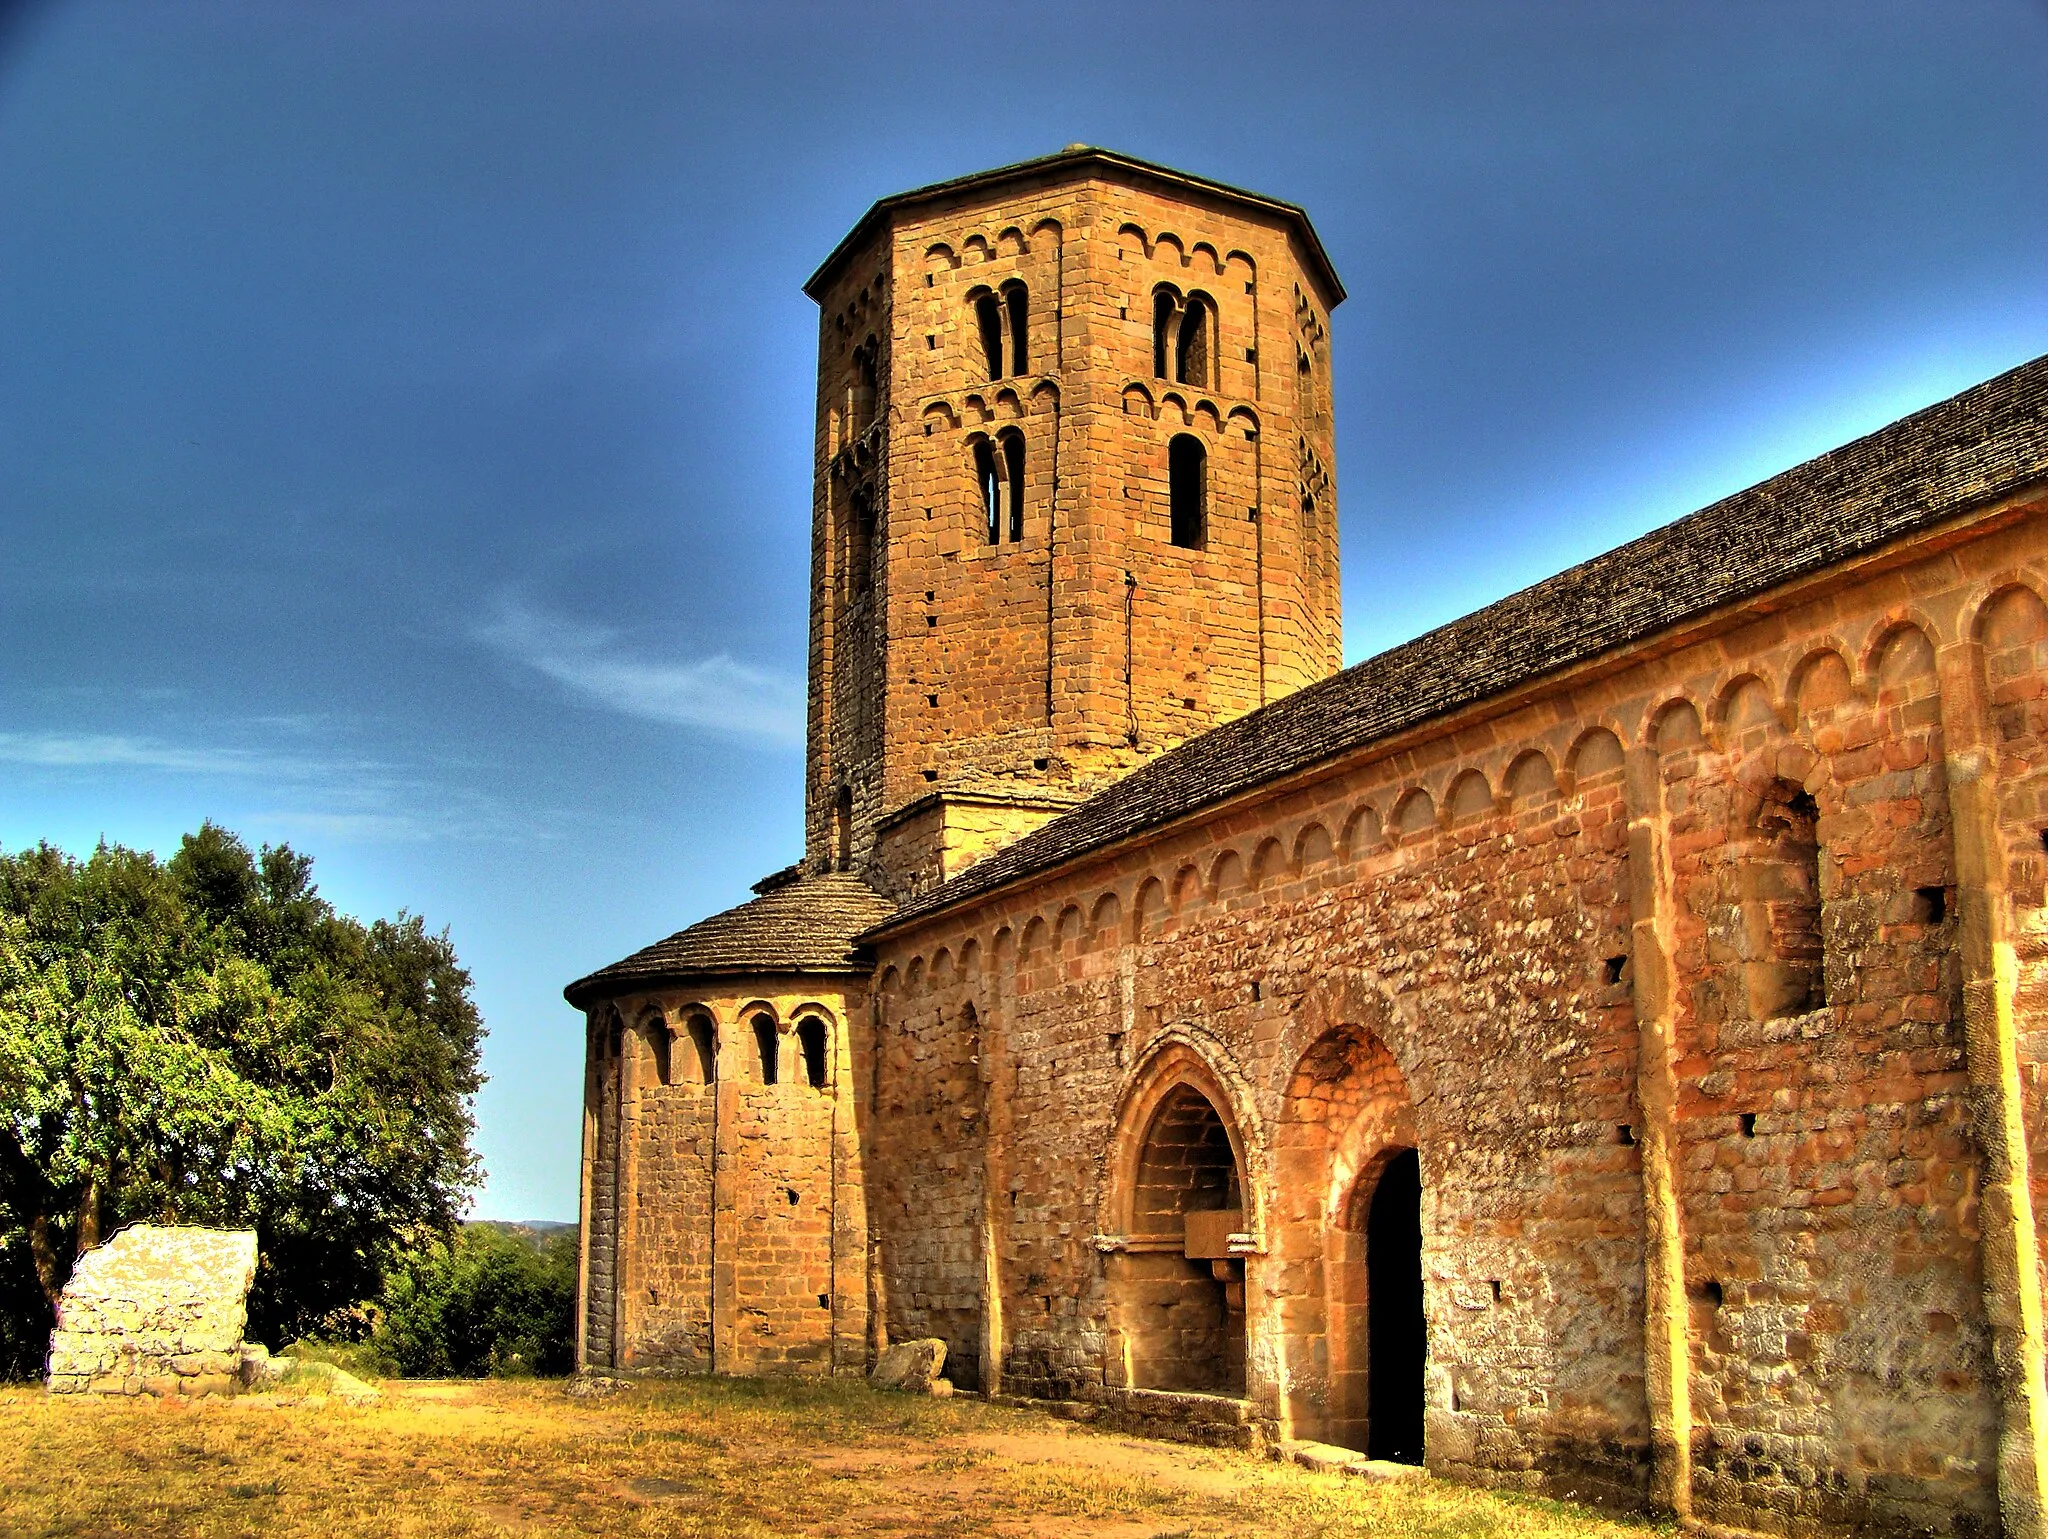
column 1396, row 1335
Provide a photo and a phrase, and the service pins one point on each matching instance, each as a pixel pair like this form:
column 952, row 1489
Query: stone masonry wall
column 1441, row 944
column 1080, row 641
column 745, row 1239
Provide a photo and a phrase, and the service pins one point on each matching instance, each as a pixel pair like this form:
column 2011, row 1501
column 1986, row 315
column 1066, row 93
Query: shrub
column 495, row 1302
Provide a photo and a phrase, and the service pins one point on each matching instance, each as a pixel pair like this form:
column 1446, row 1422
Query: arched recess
column 1350, row 1265
column 1180, row 1197
column 1819, row 684
column 1150, row 914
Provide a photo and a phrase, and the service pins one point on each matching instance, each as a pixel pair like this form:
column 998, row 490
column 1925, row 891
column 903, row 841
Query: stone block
column 911, row 1366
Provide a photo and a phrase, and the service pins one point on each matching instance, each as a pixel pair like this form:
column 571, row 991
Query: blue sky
column 405, row 408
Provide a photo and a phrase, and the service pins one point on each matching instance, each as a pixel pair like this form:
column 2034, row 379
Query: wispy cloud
column 113, row 750
column 713, row 692
column 333, row 796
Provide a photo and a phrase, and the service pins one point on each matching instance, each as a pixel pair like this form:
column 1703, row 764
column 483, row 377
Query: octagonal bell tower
column 1074, row 498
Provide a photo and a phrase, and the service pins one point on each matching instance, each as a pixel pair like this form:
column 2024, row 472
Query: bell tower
column 1074, row 498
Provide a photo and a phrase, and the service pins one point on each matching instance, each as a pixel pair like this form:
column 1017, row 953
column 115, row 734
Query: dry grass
column 699, row 1457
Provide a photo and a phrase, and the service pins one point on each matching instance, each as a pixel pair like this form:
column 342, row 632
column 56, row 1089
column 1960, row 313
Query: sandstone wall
column 1081, row 640
column 740, row 1243
column 1731, row 866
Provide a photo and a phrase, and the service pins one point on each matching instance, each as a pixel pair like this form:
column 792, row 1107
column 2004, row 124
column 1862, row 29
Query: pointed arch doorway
column 1176, row 1290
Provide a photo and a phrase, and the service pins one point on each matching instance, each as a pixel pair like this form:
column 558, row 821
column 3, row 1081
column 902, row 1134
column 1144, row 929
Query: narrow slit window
column 842, row 829
column 766, row 1046
column 1187, row 467
column 1191, row 347
column 860, row 538
column 659, row 1043
column 1016, row 306
column 1013, row 469
column 1165, row 306
column 810, row 1036
column 991, row 482
column 704, row 1046
column 862, row 413
column 988, row 315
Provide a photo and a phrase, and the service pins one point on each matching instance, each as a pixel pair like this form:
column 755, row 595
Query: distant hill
column 535, row 1231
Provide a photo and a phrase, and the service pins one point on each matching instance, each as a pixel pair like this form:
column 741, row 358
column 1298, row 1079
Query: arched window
column 1165, row 307
column 703, row 1044
column 1013, row 470
column 842, row 829
column 1191, row 347
column 990, row 480
column 810, row 1036
column 658, row 1043
column 767, row 1046
column 1780, row 885
column 988, row 318
column 861, row 409
column 1187, row 472
column 860, row 538
column 1016, row 306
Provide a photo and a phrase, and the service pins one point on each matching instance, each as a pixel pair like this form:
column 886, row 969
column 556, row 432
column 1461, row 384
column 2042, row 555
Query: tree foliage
column 489, row 1303
column 205, row 1040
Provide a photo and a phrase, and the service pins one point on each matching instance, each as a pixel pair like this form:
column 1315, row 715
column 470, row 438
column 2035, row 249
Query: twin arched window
column 1002, row 319
column 999, row 474
column 1183, row 337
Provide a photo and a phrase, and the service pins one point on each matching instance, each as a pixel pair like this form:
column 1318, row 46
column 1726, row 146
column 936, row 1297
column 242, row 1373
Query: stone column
column 1666, row 1360
column 2012, row 1275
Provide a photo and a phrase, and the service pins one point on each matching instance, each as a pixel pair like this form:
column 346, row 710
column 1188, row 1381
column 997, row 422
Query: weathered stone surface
column 156, row 1310
column 911, row 1366
column 1667, row 942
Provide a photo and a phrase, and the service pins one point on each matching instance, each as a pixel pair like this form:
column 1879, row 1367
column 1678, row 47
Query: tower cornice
column 1082, row 158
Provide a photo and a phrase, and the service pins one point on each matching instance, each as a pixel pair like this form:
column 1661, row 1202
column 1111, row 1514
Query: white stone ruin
column 156, row 1310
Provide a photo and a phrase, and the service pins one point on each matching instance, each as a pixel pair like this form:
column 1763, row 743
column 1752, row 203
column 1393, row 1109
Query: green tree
column 490, row 1303
column 205, row 1040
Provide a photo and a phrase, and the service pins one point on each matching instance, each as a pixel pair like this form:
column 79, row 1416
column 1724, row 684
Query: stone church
column 1596, row 1047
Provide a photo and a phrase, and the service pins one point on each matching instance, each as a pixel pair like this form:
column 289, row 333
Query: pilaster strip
column 2012, row 1274
column 1666, row 1351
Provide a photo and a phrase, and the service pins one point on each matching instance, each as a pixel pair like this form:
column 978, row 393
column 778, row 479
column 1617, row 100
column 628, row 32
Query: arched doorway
column 1178, row 1292
column 1348, row 1246
column 1396, row 1337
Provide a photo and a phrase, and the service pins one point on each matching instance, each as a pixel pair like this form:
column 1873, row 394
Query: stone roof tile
column 805, row 926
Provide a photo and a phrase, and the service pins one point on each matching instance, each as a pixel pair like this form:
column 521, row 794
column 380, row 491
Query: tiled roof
column 1985, row 443
column 806, row 926
column 1080, row 159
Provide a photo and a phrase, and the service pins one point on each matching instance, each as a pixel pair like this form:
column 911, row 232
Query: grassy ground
column 700, row 1457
